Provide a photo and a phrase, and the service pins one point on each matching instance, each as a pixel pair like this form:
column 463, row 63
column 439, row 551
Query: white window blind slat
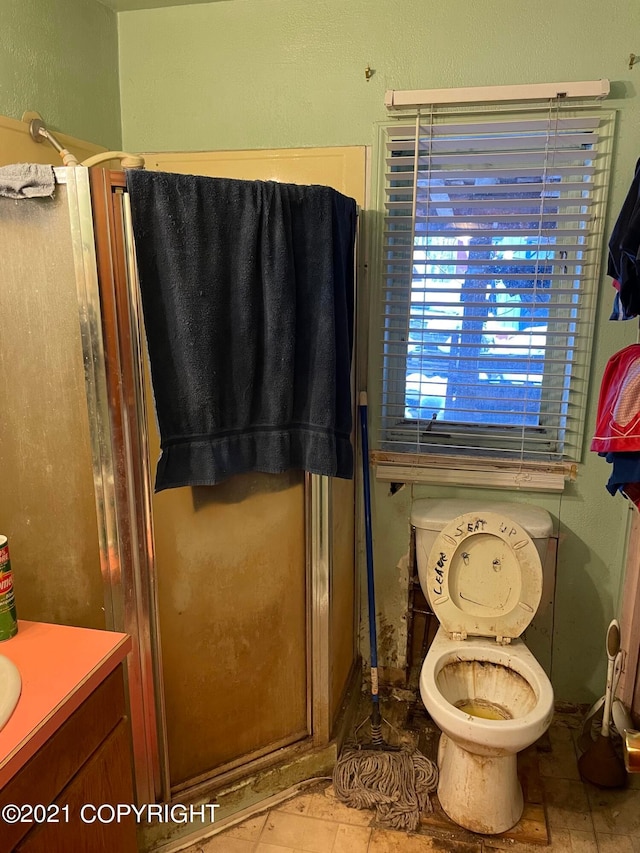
column 402, row 249
column 491, row 245
column 508, row 145
column 489, row 190
column 405, row 175
column 462, row 232
column 442, row 127
column 436, row 162
column 472, row 217
column 526, row 205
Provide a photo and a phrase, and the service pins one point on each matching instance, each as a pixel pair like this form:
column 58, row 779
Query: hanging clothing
column 247, row 293
column 625, row 475
column 624, row 255
column 618, row 415
column 617, row 433
column 618, row 312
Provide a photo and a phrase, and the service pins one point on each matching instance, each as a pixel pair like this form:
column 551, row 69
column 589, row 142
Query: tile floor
column 581, row 818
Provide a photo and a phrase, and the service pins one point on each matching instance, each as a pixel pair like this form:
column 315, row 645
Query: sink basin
column 10, row 686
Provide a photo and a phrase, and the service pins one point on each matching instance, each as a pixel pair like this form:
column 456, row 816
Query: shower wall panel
column 47, row 501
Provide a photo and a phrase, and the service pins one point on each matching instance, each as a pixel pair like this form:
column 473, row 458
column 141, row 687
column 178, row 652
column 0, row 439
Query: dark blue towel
column 247, row 292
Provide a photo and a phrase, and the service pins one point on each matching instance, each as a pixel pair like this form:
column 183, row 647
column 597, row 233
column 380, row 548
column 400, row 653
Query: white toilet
column 480, row 568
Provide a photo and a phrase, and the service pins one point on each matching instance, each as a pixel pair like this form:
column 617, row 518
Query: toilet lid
column 485, row 576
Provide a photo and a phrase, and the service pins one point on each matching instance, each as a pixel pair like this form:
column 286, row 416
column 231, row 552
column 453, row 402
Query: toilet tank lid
column 433, row 514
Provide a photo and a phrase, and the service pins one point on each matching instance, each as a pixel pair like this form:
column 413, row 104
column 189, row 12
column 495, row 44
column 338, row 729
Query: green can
column 8, row 618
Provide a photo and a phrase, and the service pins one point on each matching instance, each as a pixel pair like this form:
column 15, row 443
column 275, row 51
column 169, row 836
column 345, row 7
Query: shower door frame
column 130, row 581
column 125, row 544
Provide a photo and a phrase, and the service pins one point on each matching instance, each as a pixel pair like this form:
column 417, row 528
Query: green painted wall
column 281, row 73
column 60, row 58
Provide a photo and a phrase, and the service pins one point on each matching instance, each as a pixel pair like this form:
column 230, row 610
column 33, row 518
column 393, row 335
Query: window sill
column 472, row 471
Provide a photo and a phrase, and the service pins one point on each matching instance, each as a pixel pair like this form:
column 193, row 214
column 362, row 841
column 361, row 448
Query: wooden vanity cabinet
column 87, row 761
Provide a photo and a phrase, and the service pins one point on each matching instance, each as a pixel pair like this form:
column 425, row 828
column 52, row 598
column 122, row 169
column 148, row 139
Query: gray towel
column 27, row 180
column 247, row 292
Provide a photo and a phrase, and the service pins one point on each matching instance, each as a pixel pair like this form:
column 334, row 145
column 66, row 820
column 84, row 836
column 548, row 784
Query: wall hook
column 368, row 73
column 632, row 60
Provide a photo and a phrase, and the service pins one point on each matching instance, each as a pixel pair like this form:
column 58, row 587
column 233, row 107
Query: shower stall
column 240, row 598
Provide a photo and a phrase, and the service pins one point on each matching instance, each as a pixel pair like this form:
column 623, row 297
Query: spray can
column 8, row 618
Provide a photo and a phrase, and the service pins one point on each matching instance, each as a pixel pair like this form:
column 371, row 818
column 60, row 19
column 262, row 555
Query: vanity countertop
column 60, row 667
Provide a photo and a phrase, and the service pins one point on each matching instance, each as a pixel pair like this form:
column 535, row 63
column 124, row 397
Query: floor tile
column 562, row 761
column 634, row 780
column 567, row 804
column 562, row 841
column 325, row 805
column 296, row 805
column 223, row 844
column 615, row 812
column 582, row 841
column 614, row 843
column 248, row 830
column 273, row 848
column 298, row 831
column 561, row 732
column 351, row 839
column 390, row 841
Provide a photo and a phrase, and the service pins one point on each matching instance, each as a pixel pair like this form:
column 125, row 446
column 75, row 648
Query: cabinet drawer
column 43, row 777
column 105, row 778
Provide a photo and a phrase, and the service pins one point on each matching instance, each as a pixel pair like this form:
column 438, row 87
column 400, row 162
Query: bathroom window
column 491, row 248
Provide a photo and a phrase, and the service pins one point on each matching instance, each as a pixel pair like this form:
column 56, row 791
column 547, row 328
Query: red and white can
column 8, row 617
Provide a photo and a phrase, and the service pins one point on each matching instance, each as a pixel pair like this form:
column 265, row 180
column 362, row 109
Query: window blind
column 491, row 248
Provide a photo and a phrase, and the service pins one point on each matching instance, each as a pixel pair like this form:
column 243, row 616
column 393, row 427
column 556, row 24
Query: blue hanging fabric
column 624, row 255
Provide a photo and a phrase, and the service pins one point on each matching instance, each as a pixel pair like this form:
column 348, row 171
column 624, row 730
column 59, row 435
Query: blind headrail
column 396, row 99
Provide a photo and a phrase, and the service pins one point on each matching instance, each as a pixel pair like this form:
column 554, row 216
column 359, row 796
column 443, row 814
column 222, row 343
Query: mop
column 396, row 781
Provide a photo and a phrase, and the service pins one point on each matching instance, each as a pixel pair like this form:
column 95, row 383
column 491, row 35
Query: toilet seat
column 485, row 577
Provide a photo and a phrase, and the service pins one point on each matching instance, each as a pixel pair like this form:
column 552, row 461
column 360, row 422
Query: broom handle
column 371, row 595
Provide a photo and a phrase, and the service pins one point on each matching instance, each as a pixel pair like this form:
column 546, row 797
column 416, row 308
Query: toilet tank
column 429, row 516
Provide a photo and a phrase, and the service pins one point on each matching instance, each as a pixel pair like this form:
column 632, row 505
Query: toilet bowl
column 480, row 569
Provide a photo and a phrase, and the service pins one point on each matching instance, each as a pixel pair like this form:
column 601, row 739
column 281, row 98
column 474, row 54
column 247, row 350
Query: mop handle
column 371, row 598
